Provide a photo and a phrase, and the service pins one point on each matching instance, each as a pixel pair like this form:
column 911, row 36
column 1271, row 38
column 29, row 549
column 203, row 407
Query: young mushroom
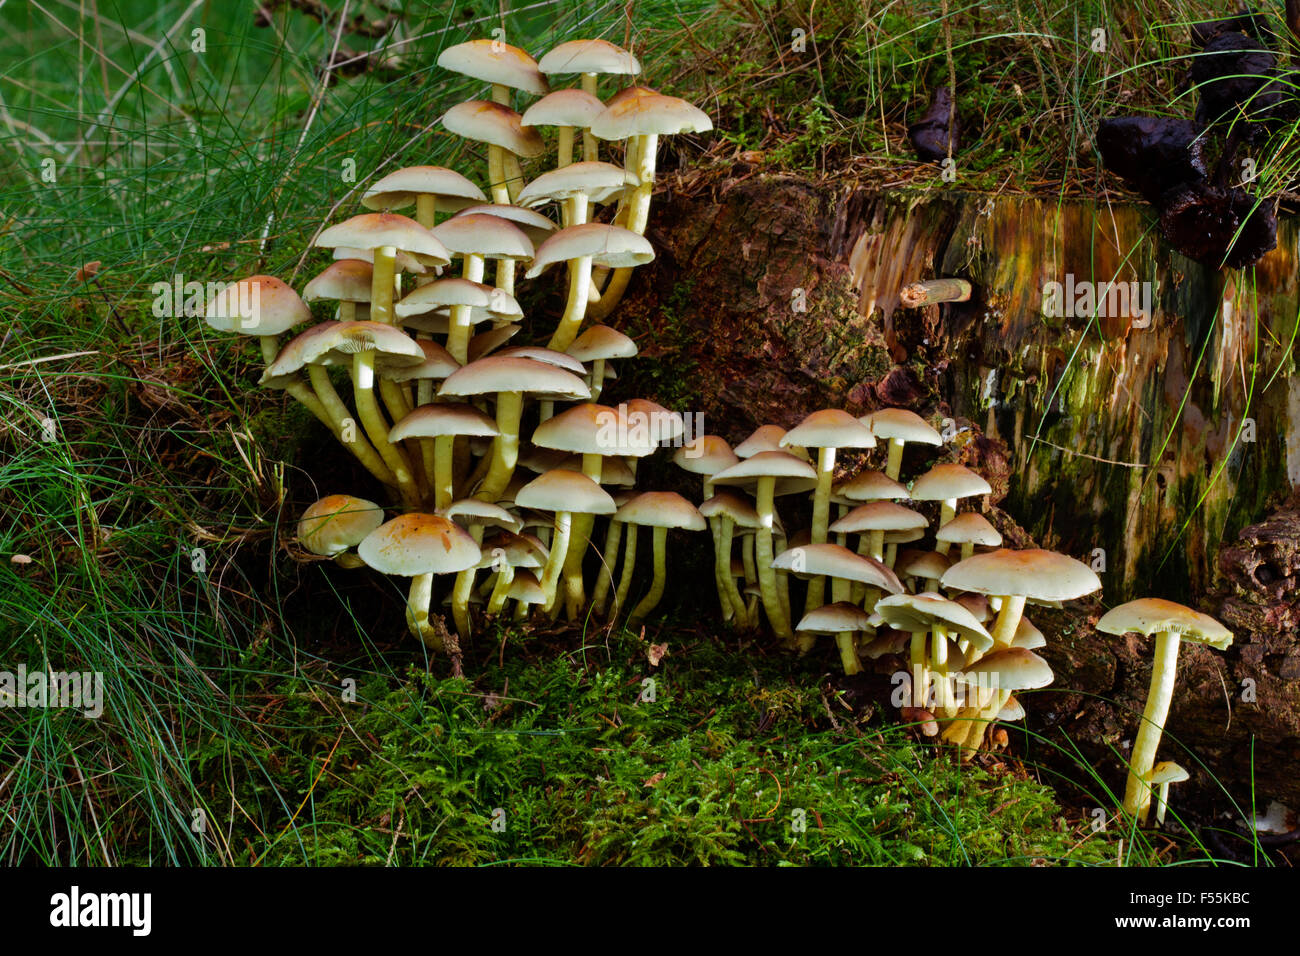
column 659, row 510
column 1171, row 624
column 946, row 483
column 591, row 58
column 432, row 189
column 1165, row 773
column 500, row 128
column 334, row 525
column 900, row 426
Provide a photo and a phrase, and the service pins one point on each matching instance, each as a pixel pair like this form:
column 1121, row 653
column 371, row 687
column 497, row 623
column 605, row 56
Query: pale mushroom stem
column 460, row 595
column 939, row 673
column 948, row 511
column 895, row 462
column 505, row 280
column 497, row 176
column 840, row 590
column 555, row 560
column 625, row 579
column 638, row 215
column 1164, row 672
column 765, row 500
column 444, row 481
column 564, row 154
column 426, row 209
column 920, row 673
column 575, row 307
column 575, row 593
column 458, row 322
column 381, row 284
column 505, row 447
column 345, row 427
column 505, row 577
column 514, row 175
column 590, row 150
column 609, row 559
column 724, row 601
column 821, row 516
column 417, row 611
column 372, row 420
column 651, row 600
column 597, row 378
column 1004, row 630
column 731, row 594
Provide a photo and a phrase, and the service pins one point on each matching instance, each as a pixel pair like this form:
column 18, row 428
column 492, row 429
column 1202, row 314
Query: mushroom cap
column 662, row 424
column 406, row 262
column 495, row 62
column 337, row 343
column 1167, row 772
column 372, row 230
column 829, row 428
column 345, row 280
column 576, row 108
column 481, row 234
column 484, row 300
column 498, row 373
column 705, row 455
column 871, row 485
column 734, row 506
column 438, row 364
column 533, row 225
column 978, row 605
column 539, row 353
column 472, row 511
column 880, row 516
column 272, row 305
column 451, row 190
column 610, row 246
column 419, row 543
column 526, row 589
column 834, row 619
column 591, row 429
column 1149, row 616
column 765, row 464
column 922, row 564
column 1011, row 711
column 599, row 182
column 921, row 612
column 949, row 480
column 486, row 122
column 601, row 342
column 835, row 561
column 520, row 552
column 969, row 527
column 443, row 418
column 1032, row 573
column 337, row 522
column 563, row 490
column 902, row 425
column 662, row 509
column 589, row 56
column 766, row 438
column 1015, row 667
column 1028, row 635
column 485, row 343
column 649, row 114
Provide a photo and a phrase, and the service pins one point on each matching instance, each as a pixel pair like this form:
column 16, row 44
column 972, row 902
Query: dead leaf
column 656, row 653
column 655, row 779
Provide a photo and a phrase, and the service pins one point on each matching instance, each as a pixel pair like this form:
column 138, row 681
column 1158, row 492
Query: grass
column 227, row 739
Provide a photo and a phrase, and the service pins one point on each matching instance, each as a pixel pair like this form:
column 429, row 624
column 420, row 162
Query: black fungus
column 1236, row 78
column 1153, row 154
column 1214, row 225
column 1245, row 21
column 929, row 134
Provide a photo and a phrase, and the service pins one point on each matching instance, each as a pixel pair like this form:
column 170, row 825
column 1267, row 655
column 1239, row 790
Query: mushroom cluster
column 441, row 412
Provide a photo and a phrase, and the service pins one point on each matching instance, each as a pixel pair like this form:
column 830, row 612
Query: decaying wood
column 933, row 292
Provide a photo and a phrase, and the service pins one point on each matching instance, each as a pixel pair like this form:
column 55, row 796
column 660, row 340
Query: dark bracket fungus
column 1153, row 154
column 1236, row 79
column 1214, row 225
column 930, row 135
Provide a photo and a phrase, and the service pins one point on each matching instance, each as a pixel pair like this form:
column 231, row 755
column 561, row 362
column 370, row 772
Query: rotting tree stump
column 1122, row 432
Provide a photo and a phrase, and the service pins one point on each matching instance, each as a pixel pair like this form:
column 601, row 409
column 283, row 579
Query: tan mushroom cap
column 880, row 516
column 533, row 225
column 978, row 605
column 610, row 246
column 600, row 182
column 414, row 264
column 347, row 280
column 505, row 374
column 336, row 523
column 949, row 480
column 480, row 234
column 1015, row 667
column 520, row 552
column 734, row 506
column 900, row 424
column 649, row 114
column 375, row 229
column 835, row 561
column 438, row 364
column 765, row 438
column 765, row 464
column 923, row 564
column 601, row 342
column 706, row 455
column 564, row 490
column 472, row 511
column 834, row 618
column 1148, row 616
column 272, row 307
column 922, row 612
column 591, row 429
column 871, row 485
column 443, row 418
column 539, row 353
column 1032, row 573
column 662, row 509
column 1028, row 636
column 418, row 543
column 337, row 343
column 526, row 589
column 1012, row 711
column 495, row 62
column 829, row 428
column 451, row 190
column 441, row 294
column 662, row 424
column 574, row 107
column 589, row 56
column 970, row 527
column 486, row 122
column 485, row 343
column 1168, row 772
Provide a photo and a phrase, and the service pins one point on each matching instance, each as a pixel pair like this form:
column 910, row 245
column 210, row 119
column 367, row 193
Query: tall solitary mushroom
column 1171, row 624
